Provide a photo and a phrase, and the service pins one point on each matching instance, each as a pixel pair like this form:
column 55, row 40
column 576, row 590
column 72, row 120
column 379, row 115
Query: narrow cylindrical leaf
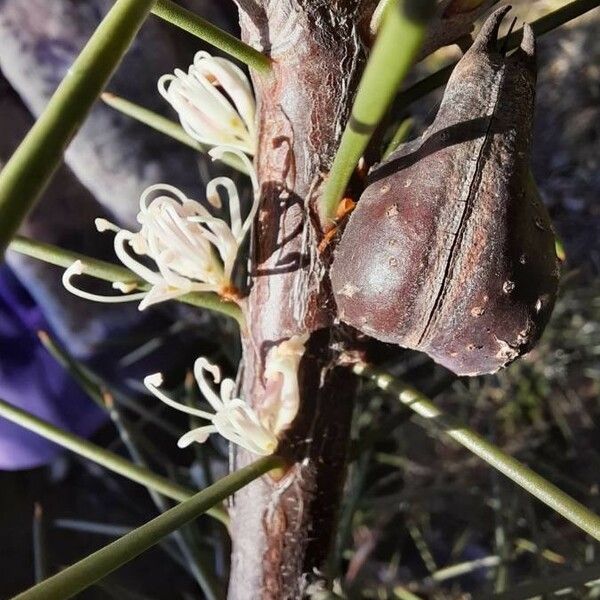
column 96, row 454
column 540, row 26
column 166, row 126
column 81, row 575
column 196, row 25
column 152, row 119
column 110, row 272
column 398, row 43
column 28, row 171
column 523, row 476
column 400, row 136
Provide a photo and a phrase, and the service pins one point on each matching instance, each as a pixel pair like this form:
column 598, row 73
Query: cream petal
column 152, row 382
column 199, row 435
column 77, row 269
column 200, row 367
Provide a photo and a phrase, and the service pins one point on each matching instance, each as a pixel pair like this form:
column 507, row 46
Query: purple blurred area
column 31, row 379
column 109, row 163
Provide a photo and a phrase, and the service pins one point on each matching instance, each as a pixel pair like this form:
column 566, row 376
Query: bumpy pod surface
column 450, row 250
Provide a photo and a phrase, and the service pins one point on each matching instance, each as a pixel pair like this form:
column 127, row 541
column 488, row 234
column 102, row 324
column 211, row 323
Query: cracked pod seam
column 450, row 250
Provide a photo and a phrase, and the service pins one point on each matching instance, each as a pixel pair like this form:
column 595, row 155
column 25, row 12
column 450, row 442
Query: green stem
column 196, row 560
column 92, row 388
column 60, row 257
column 107, row 459
column 110, row 272
column 399, row 137
column 396, row 47
column 540, row 26
column 30, row 168
column 201, row 28
column 151, row 119
column 102, row 396
column 536, row 485
column 167, row 127
column 84, row 573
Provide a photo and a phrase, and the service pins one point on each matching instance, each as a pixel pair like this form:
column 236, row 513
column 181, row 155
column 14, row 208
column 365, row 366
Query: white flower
column 194, row 251
column 214, row 102
column 282, row 391
column 233, row 418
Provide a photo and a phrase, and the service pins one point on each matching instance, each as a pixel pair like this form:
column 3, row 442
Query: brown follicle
column 466, row 223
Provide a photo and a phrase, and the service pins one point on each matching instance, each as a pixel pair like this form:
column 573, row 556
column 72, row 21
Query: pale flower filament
column 233, row 418
column 193, row 250
column 281, row 382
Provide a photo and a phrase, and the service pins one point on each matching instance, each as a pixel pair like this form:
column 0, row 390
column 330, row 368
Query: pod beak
column 487, row 38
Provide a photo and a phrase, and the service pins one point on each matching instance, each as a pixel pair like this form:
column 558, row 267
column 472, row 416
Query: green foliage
column 30, row 168
column 110, row 272
column 107, row 459
column 543, row 25
column 525, row 398
column 167, row 127
column 536, row 485
column 388, row 65
column 201, row 28
column 81, row 575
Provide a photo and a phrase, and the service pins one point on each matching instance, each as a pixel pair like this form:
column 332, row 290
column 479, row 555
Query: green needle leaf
column 399, row 137
column 84, row 573
column 201, row 28
column 28, row 171
column 152, row 119
column 110, row 272
column 396, row 47
column 536, row 485
column 569, row 582
column 166, row 126
column 540, row 26
column 100, row 393
column 103, row 457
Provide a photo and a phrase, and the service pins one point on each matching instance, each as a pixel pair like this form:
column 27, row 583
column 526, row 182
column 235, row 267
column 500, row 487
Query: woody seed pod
column 450, row 250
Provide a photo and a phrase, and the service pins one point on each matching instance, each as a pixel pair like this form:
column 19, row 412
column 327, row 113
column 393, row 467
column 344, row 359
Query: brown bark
column 282, row 530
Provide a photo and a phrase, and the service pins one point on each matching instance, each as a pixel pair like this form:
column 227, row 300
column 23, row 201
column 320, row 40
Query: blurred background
column 421, row 516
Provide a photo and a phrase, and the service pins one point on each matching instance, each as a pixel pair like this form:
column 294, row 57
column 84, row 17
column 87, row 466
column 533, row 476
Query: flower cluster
column 214, row 102
column 233, row 418
column 194, row 251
